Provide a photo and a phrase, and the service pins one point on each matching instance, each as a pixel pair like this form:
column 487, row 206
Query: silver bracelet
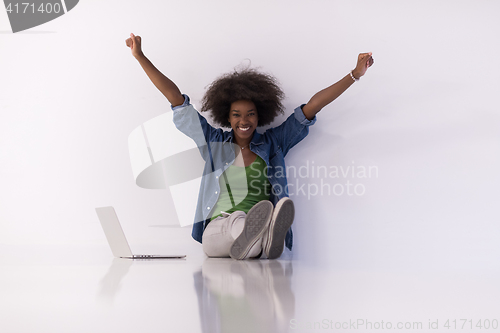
column 352, row 76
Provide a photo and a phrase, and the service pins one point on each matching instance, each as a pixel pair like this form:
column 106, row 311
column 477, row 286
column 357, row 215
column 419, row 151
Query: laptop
column 117, row 240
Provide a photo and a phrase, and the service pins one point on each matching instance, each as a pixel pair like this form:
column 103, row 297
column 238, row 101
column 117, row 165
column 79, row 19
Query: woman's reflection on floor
column 245, row 295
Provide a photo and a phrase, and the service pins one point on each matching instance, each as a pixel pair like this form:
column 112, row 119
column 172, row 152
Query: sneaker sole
column 256, row 223
column 281, row 222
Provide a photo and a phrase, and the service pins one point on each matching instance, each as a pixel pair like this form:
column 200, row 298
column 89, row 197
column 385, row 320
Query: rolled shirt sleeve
column 299, row 115
column 186, row 103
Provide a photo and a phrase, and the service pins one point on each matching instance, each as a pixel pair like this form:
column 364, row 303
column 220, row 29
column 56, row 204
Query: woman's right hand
column 134, row 42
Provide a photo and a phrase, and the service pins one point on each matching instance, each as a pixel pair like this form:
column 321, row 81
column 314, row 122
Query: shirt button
column 208, row 207
column 215, row 192
column 226, row 163
column 216, row 177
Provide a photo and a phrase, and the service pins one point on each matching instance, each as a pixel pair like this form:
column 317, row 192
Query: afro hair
column 249, row 84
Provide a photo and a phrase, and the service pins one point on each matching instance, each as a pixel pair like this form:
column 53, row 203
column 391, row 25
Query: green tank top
column 247, row 186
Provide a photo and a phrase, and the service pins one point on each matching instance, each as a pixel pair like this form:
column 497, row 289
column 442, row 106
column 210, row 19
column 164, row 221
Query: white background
column 425, row 115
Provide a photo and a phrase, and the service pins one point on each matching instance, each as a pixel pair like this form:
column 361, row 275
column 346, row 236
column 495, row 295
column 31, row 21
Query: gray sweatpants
column 220, row 234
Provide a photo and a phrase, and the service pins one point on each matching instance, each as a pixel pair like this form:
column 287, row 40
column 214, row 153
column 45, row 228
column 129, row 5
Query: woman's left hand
column 365, row 60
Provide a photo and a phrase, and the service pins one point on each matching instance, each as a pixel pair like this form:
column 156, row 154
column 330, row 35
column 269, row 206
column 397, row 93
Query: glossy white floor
column 83, row 289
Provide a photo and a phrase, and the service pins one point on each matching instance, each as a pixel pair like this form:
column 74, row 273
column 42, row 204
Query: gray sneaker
column 282, row 220
column 256, row 223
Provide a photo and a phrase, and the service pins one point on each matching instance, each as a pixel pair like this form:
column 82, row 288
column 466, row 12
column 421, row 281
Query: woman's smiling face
column 243, row 118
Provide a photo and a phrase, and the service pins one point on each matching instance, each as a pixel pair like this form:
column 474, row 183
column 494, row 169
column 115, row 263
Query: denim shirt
column 217, row 150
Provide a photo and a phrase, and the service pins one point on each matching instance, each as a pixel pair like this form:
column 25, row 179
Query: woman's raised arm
column 328, row 95
column 163, row 83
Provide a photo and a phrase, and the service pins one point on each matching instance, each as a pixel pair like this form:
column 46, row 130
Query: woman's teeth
column 244, row 128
